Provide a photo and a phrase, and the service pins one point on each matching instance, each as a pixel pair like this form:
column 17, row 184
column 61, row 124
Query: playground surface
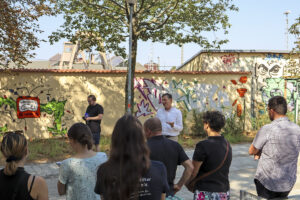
column 241, row 175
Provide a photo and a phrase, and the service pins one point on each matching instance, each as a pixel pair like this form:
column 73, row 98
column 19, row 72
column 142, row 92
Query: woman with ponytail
column 77, row 175
column 15, row 182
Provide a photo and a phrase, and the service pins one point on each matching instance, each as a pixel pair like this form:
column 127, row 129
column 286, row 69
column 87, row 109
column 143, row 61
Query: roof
column 233, row 51
column 119, row 71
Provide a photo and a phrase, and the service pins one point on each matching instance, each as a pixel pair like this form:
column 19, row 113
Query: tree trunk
column 133, row 64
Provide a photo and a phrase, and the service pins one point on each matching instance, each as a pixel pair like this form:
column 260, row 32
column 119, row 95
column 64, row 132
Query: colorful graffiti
column 276, row 87
column 191, row 96
column 270, row 56
column 229, row 59
column 241, row 90
column 53, row 108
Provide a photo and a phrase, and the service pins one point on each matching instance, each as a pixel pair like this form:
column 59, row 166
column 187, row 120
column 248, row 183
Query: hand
column 87, row 118
column 257, row 156
column 176, row 188
column 171, row 124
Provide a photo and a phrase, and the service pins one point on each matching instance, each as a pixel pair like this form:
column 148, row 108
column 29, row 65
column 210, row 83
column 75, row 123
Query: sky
column 259, row 24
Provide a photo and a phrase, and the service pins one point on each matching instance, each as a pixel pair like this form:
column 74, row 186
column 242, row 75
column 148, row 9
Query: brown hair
column 14, row 149
column 81, row 133
column 92, row 97
column 153, row 124
column 128, row 162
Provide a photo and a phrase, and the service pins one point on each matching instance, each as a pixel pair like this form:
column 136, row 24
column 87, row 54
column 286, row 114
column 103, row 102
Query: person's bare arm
column 98, row 117
column 188, row 169
column 40, row 188
column 254, row 151
column 197, row 166
column 163, row 196
column 61, row 188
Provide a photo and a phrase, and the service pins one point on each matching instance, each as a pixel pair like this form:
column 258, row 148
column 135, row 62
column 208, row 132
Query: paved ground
column 241, row 175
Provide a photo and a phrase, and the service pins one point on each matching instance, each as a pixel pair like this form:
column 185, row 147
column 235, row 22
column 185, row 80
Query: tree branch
column 154, row 20
column 119, row 5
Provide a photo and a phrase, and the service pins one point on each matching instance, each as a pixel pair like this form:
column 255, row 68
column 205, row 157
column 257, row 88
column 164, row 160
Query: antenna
column 287, row 28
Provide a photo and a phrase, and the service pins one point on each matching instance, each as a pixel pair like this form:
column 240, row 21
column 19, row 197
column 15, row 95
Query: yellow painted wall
column 63, row 97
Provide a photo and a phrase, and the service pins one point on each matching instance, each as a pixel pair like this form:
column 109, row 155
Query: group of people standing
column 143, row 159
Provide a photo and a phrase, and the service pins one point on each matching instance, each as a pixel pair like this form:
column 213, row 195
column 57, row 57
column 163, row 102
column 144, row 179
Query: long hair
column 128, row 162
column 13, row 148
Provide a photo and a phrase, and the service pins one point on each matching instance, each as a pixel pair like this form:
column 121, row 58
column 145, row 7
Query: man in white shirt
column 170, row 117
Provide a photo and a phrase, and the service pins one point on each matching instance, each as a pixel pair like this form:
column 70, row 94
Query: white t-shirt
column 79, row 176
column 172, row 115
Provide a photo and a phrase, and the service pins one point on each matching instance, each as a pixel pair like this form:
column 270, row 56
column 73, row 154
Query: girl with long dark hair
column 129, row 173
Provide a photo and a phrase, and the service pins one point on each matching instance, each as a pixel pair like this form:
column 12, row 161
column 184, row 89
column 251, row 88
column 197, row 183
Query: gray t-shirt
column 279, row 142
column 79, row 176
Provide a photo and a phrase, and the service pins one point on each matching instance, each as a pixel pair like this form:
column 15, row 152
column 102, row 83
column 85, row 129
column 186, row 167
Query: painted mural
column 23, row 102
column 276, row 86
column 190, row 95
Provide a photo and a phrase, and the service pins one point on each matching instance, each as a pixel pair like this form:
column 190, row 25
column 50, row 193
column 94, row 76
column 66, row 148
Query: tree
column 18, row 25
column 168, row 21
column 293, row 66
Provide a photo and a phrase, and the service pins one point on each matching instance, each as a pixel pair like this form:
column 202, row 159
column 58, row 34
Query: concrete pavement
column 241, row 175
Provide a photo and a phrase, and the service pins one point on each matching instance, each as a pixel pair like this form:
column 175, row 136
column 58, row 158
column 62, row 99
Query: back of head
column 278, row 104
column 82, row 134
column 215, row 119
column 129, row 158
column 14, row 149
column 153, row 125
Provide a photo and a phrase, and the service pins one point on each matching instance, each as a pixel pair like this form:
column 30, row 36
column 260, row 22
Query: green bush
column 184, row 116
column 234, row 125
column 197, row 127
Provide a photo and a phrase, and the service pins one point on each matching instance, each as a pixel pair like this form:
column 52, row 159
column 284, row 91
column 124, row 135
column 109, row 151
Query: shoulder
column 102, row 156
column 265, row 128
column 99, row 106
column 159, row 110
column 176, row 110
column 157, row 164
column 39, row 185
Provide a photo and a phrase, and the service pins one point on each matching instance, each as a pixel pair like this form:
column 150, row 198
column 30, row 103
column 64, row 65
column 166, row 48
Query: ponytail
column 14, row 149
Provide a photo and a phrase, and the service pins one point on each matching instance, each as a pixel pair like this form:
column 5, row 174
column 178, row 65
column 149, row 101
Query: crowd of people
column 143, row 159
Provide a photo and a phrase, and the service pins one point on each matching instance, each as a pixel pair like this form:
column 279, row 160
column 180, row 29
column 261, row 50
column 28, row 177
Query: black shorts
column 96, row 138
column 265, row 193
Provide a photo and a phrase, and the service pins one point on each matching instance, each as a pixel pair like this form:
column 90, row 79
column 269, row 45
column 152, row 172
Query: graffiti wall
column 45, row 104
column 268, row 72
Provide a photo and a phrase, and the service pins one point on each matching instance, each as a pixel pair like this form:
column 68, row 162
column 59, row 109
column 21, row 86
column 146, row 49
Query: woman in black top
column 129, row 173
column 211, row 160
column 15, row 182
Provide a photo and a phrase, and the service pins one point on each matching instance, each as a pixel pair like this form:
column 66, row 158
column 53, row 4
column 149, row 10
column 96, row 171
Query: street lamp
column 131, row 5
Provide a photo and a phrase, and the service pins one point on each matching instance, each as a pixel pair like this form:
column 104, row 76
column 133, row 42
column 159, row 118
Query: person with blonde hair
column 15, row 182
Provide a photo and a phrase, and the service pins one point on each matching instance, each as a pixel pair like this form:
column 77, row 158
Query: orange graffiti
column 241, row 91
column 243, row 79
column 234, row 82
column 239, row 110
column 234, row 102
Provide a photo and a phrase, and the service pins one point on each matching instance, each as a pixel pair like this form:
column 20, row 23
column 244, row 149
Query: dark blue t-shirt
column 152, row 185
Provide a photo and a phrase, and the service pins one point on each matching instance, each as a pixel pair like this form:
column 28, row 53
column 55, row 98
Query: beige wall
column 63, row 97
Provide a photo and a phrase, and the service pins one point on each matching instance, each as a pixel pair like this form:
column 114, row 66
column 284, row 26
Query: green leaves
column 18, row 26
column 167, row 21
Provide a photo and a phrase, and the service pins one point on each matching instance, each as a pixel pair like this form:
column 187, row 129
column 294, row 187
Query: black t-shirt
column 94, row 111
column 152, row 185
column 168, row 152
column 212, row 152
column 8, row 185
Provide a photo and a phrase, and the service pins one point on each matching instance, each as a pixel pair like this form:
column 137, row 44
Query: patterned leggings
column 202, row 195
